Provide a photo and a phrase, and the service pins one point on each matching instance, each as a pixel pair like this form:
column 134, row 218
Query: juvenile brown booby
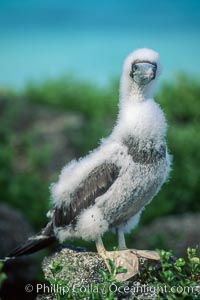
column 110, row 187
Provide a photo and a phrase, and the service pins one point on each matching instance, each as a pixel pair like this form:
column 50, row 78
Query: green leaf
column 121, row 270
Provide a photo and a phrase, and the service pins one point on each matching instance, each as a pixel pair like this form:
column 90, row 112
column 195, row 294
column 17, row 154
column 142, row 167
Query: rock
column 175, row 233
column 77, row 266
column 82, row 271
column 14, row 230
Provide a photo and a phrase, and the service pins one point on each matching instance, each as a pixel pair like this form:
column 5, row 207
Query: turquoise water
column 47, row 38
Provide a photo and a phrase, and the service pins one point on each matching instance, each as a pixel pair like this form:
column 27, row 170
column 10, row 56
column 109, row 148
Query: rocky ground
column 83, row 272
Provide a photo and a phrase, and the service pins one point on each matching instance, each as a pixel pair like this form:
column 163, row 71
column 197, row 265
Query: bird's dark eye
column 134, row 67
column 155, row 67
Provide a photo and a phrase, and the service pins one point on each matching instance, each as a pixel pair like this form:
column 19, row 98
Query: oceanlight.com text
column 135, row 288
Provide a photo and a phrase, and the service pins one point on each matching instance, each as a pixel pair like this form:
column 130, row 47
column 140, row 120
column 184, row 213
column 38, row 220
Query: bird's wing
column 98, row 181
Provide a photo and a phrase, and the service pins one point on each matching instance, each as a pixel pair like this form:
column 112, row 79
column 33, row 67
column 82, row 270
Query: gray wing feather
column 96, row 184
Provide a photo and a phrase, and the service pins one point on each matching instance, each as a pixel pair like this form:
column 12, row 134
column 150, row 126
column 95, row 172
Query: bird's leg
column 143, row 253
column 106, row 255
column 121, row 239
column 102, row 252
column 100, row 247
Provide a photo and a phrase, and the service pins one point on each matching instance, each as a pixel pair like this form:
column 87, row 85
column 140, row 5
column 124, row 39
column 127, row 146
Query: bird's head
column 140, row 71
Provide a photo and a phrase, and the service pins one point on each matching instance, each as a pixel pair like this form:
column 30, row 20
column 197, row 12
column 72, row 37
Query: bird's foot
column 128, row 260
column 125, row 259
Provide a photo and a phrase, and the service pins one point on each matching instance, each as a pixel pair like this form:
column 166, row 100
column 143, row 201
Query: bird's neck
column 134, row 93
column 130, row 91
column 140, row 118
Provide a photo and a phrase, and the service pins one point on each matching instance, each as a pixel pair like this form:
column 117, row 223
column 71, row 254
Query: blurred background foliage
column 47, row 124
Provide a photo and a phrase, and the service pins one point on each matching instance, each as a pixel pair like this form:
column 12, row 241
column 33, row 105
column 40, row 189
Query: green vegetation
column 177, row 278
column 172, row 279
column 25, row 173
column 2, row 275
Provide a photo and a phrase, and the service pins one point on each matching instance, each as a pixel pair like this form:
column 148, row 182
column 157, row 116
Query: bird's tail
column 45, row 238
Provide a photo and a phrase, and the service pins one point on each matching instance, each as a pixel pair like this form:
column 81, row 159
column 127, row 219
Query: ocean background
column 88, row 39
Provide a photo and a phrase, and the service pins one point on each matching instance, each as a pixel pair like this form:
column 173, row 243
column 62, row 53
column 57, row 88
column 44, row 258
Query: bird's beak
column 143, row 72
